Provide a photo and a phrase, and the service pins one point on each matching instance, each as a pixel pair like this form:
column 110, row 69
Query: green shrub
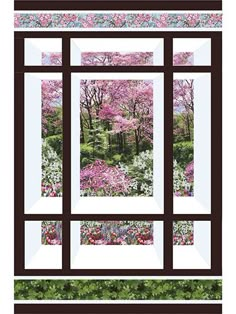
column 183, row 153
column 117, row 158
column 56, row 142
column 118, row 290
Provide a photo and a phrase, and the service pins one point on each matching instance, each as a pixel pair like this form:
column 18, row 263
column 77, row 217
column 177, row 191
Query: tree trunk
column 109, row 138
column 188, row 128
column 136, row 142
column 90, row 119
column 82, row 139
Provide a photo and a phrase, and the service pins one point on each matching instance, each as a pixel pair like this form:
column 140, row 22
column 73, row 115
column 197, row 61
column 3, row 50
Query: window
column 110, row 175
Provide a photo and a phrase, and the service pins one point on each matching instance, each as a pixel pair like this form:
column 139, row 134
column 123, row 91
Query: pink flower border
column 118, row 20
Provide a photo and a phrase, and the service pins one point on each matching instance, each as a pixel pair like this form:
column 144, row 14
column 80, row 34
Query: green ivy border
column 118, row 289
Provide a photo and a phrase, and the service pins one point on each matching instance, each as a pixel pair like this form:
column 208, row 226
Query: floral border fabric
column 118, row 20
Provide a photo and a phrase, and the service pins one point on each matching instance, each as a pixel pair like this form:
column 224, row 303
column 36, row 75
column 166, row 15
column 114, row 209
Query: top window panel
column 43, row 51
column 116, row 51
column 191, row 51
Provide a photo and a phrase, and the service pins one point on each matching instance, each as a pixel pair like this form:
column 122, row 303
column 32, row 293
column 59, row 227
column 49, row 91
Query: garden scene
column 183, row 233
column 116, row 138
column 116, row 232
column 183, row 137
column 51, row 232
column 52, row 139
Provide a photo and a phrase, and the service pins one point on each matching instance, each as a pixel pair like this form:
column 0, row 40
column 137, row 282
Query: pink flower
column 98, row 176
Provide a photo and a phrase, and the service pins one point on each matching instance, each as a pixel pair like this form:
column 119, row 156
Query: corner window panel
column 43, row 51
column 191, row 51
column 191, row 244
column 43, row 244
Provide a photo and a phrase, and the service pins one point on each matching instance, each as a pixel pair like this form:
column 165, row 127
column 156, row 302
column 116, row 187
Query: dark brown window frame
column 118, row 308
column 168, row 217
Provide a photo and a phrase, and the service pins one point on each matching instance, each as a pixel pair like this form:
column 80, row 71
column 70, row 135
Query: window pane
column 192, row 137
column 192, row 51
column 116, row 139
column 43, row 249
column 191, row 245
column 116, row 245
column 183, row 132
column 112, row 127
column 43, row 51
column 43, row 143
column 116, row 51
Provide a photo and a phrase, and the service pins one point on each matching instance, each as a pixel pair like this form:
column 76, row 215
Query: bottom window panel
column 116, row 245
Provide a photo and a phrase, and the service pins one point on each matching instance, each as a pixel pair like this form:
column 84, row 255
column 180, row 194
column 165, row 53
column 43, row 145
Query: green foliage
column 183, row 153
column 183, row 127
column 86, row 154
column 117, row 157
column 118, row 290
column 56, row 142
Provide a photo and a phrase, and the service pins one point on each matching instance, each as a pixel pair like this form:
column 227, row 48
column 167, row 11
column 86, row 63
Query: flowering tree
column 116, row 58
column 51, row 103
column 116, row 233
column 183, row 58
column 51, row 58
column 183, row 103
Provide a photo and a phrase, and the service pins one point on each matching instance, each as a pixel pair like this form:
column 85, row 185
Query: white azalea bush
column 51, row 171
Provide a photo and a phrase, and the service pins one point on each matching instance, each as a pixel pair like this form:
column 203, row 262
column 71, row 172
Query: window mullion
column 168, row 155
column 66, row 154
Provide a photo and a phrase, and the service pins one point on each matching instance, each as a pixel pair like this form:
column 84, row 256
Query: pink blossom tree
column 51, row 94
column 116, row 58
column 183, row 101
column 51, row 58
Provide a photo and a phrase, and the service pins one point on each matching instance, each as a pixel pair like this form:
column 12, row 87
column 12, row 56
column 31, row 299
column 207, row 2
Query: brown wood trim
column 168, row 153
column 116, row 34
column 216, row 153
column 91, row 69
column 119, row 5
column 140, row 217
column 19, row 158
column 115, row 272
column 66, row 104
column 118, row 308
